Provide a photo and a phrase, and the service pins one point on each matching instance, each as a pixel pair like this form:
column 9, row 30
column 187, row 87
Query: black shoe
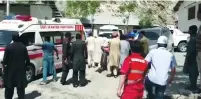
column 115, row 76
column 63, row 83
column 99, row 70
column 89, row 66
column 109, row 75
column 193, row 89
column 75, row 86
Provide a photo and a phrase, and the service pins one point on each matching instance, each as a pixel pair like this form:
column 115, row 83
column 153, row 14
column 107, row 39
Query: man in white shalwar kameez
column 99, row 41
column 90, row 49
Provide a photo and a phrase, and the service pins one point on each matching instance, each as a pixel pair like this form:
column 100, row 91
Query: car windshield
column 107, row 35
column 152, row 34
column 6, row 37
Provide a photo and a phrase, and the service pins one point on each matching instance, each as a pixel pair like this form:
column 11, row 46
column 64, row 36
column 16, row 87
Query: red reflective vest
column 138, row 65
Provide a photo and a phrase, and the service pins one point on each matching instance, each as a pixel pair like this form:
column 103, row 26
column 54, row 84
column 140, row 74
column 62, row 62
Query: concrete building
column 109, row 16
column 189, row 13
column 38, row 10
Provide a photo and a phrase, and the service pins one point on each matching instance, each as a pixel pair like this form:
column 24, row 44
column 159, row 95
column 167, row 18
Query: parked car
column 180, row 39
column 153, row 34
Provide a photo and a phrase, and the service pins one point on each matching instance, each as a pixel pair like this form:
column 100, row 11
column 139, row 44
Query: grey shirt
column 124, row 50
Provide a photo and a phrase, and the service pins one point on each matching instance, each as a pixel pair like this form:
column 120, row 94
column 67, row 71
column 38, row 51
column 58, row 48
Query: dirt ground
column 99, row 86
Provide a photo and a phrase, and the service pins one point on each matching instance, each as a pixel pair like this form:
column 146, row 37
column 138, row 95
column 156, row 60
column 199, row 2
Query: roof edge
column 176, row 7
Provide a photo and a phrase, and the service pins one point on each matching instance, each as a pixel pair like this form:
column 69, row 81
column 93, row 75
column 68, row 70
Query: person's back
column 161, row 62
column 90, row 43
column 99, row 41
column 79, row 54
column 158, row 72
column 78, row 48
column 145, row 45
column 124, row 50
column 114, row 45
column 48, row 49
column 15, row 50
column 133, row 72
column 125, row 47
column 14, row 63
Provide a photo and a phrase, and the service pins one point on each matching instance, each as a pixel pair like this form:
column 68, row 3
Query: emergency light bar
column 19, row 17
column 23, row 17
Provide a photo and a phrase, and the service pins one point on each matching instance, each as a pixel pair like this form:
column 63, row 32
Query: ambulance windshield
column 6, row 37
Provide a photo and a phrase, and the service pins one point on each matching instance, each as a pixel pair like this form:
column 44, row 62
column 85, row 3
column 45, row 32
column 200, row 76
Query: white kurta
column 99, row 41
column 90, row 49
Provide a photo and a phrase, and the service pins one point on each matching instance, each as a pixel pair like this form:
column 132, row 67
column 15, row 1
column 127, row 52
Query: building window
column 191, row 13
column 199, row 13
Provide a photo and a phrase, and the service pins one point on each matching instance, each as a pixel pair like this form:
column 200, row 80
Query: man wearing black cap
column 15, row 68
column 79, row 56
column 66, row 60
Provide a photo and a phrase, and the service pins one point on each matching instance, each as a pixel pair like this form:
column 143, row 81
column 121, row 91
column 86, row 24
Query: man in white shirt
column 99, row 41
column 90, row 49
column 161, row 61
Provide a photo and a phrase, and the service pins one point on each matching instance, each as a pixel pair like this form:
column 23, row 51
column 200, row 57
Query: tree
column 26, row 1
column 146, row 19
column 128, row 6
column 81, row 9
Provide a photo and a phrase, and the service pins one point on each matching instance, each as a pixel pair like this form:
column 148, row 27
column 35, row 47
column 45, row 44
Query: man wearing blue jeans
column 48, row 59
column 161, row 61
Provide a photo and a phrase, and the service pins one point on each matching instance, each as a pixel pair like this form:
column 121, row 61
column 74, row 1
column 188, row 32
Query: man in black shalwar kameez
column 190, row 65
column 14, row 64
column 79, row 56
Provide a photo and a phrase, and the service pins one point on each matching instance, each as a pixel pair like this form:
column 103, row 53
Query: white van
column 107, row 31
column 32, row 30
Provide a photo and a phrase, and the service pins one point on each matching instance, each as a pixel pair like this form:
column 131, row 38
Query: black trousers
column 81, row 77
column 10, row 91
column 193, row 76
column 155, row 91
column 65, row 71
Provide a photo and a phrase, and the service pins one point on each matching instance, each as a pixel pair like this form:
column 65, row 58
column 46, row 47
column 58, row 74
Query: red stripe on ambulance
column 78, row 27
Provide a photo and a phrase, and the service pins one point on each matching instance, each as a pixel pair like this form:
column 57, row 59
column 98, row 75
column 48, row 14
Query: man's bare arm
column 57, row 53
column 172, row 75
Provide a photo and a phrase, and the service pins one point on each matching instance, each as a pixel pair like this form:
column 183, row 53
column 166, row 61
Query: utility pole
column 7, row 7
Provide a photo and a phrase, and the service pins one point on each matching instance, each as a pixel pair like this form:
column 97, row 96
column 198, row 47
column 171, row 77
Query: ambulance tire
column 30, row 73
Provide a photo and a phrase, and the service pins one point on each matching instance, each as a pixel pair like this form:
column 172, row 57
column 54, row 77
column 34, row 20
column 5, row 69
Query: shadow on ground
column 32, row 95
column 178, row 85
column 70, row 81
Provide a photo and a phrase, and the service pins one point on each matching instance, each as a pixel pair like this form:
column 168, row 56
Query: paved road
column 100, row 87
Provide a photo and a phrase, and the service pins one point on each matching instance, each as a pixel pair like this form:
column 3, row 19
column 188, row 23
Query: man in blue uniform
column 48, row 59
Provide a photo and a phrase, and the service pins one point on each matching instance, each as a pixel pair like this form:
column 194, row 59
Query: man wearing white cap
column 114, row 56
column 99, row 41
column 161, row 61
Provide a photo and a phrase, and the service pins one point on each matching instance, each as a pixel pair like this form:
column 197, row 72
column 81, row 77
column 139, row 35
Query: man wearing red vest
column 133, row 71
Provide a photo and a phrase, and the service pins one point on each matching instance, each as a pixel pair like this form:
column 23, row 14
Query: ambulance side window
column 55, row 36
column 27, row 38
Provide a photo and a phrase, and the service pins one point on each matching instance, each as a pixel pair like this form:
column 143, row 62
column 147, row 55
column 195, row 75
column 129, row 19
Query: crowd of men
column 124, row 55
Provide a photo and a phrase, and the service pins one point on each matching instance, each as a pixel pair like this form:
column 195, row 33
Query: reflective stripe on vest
column 133, row 81
column 137, row 71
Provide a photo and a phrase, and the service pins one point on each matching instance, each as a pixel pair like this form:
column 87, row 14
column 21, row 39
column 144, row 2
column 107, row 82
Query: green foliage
column 146, row 19
column 26, row 1
column 81, row 9
column 128, row 6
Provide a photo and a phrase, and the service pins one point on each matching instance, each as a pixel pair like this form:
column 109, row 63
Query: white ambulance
column 33, row 30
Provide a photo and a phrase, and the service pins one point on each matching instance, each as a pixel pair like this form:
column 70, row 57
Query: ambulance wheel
column 30, row 71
